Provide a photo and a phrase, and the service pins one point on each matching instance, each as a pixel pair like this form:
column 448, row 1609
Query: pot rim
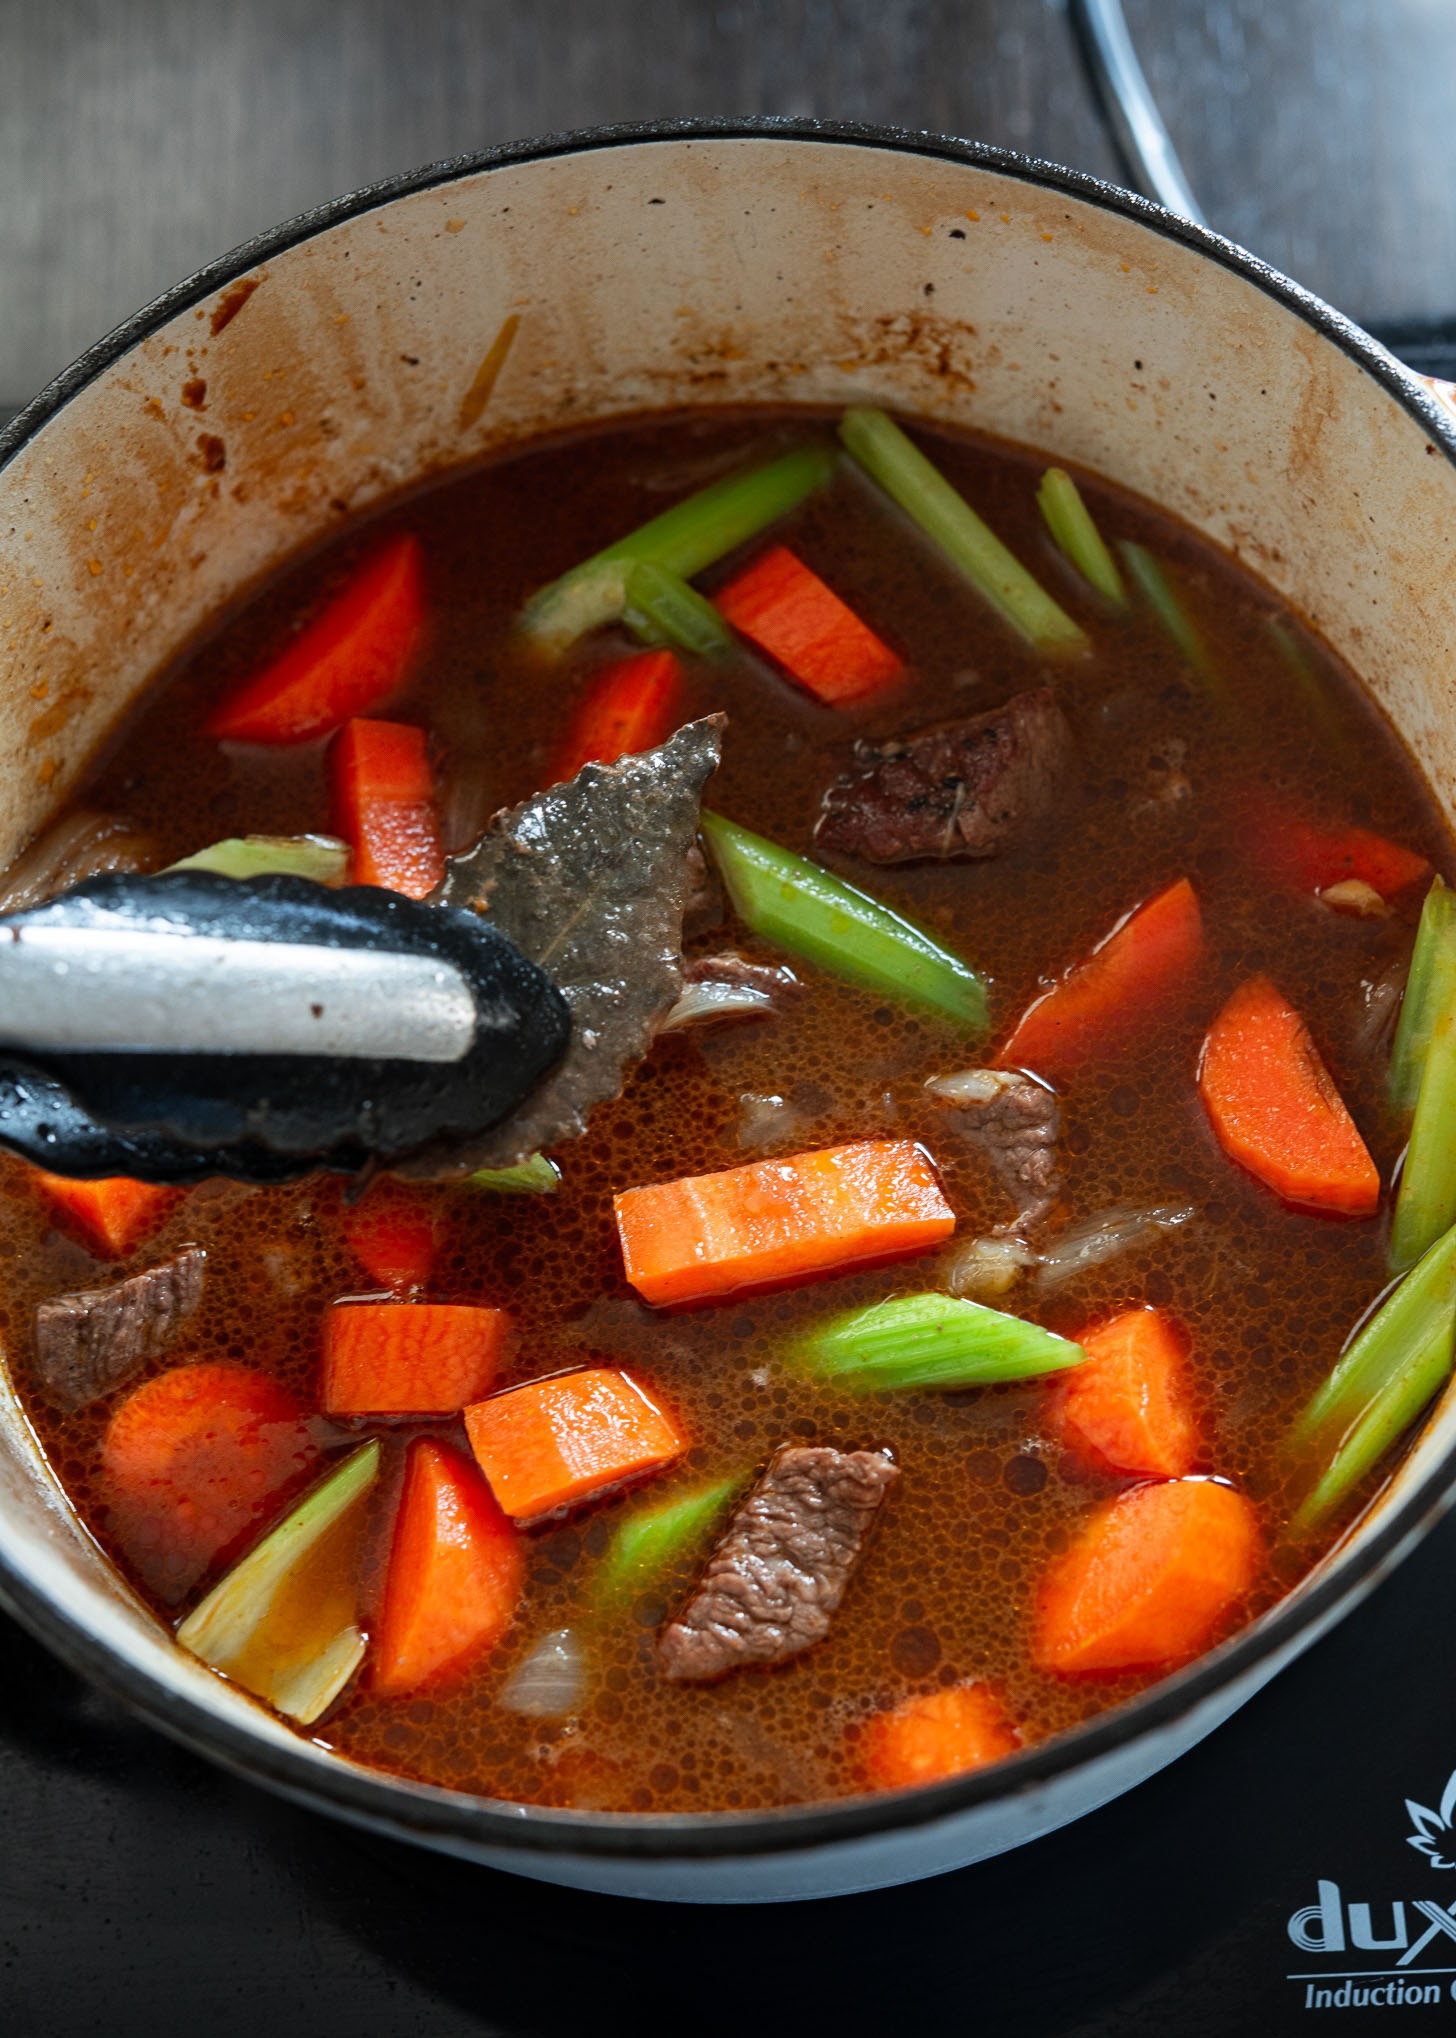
column 469, row 1823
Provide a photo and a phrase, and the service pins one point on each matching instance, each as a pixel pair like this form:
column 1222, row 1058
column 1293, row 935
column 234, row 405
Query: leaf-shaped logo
column 1433, row 1835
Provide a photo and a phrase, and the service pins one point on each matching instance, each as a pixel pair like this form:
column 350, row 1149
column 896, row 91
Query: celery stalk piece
column 651, row 1539
column 661, row 608
column 283, row 1622
column 1078, row 539
column 1317, row 697
column 1415, row 1311
column 1152, row 583
column 932, row 1341
column 1425, row 1202
column 320, row 857
column 1417, row 1379
column 534, row 1177
column 812, row 913
column 1430, row 989
column 683, row 540
column 927, row 498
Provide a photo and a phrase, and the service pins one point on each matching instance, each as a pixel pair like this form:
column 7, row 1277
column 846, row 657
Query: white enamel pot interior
column 351, row 354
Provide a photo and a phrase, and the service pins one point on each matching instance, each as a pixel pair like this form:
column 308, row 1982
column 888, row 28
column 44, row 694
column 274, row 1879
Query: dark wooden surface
column 140, row 137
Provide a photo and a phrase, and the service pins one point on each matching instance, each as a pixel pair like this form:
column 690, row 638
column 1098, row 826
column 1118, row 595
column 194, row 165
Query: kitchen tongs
column 189, row 1024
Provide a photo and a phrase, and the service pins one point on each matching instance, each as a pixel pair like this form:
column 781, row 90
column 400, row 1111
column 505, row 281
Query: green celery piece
column 230, row 1629
column 1318, row 699
column 320, row 857
column 653, row 1538
column 1425, row 1202
column 684, row 540
column 1430, row 988
column 1078, row 539
column 932, row 1341
column 927, row 498
column 1153, row 584
column 534, row 1177
column 661, row 608
column 1417, row 1380
column 1415, row 1311
column 812, row 913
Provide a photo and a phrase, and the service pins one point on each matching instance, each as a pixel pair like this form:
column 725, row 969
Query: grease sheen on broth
column 1267, row 1295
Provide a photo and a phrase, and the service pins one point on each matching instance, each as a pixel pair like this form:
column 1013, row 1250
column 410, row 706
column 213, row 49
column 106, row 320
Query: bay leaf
column 589, row 880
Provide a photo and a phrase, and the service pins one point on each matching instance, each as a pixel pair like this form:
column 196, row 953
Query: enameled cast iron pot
column 319, row 369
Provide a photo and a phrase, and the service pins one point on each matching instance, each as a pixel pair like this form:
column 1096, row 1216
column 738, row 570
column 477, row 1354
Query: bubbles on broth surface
column 1167, row 781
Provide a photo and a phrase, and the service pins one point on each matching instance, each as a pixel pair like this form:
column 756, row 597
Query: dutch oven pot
column 359, row 350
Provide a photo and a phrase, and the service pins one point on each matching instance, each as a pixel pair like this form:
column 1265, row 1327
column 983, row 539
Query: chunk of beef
column 1015, row 1121
column 89, row 1343
column 961, row 789
column 730, row 987
column 783, row 1563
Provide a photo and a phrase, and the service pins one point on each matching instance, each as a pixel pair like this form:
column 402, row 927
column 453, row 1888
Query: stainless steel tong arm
column 91, row 990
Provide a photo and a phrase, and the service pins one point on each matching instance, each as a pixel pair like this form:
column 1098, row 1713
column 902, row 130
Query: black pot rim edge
column 430, row 1814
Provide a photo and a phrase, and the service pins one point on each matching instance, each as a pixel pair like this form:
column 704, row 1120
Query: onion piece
column 80, row 846
column 764, row 1119
column 1100, row 1238
column 977, row 1086
column 986, row 1267
column 550, row 1681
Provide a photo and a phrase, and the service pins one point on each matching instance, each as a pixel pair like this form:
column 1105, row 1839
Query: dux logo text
column 1390, row 1955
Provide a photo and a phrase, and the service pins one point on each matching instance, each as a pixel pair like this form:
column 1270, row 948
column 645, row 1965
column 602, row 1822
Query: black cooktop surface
column 1265, row 1879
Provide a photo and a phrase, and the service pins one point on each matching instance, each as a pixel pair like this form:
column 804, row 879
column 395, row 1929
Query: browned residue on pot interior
column 194, row 393
column 231, row 302
column 941, row 347
column 477, row 396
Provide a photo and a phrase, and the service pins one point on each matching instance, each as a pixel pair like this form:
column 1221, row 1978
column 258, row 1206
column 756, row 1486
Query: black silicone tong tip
column 177, row 1117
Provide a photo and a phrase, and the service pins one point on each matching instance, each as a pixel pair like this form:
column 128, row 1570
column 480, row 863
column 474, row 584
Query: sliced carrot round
column 1148, row 1580
column 942, row 1734
column 1128, row 1407
column 632, row 706
column 356, row 651
column 194, row 1460
column 1123, row 989
column 1275, row 1108
column 456, row 1568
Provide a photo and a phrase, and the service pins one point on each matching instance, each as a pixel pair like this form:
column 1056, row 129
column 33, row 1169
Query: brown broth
column 1267, row 1295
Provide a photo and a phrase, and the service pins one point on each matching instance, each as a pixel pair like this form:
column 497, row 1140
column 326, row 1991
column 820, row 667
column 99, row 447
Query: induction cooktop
column 1300, row 1863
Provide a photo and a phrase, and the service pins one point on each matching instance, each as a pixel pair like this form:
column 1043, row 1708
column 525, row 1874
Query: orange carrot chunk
column 1127, row 1407
column 392, row 1235
column 1311, row 859
column 1120, row 993
column 780, row 1220
column 630, row 707
column 789, row 613
column 191, row 1462
column 1148, row 1579
column 571, row 1437
column 409, row 1358
column 1276, row 1110
column 943, row 1734
column 353, row 654
column 456, row 1568
column 384, row 807
column 115, row 1213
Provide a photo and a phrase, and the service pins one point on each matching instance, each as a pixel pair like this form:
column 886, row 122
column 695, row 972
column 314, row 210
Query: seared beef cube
column 88, row 1343
column 961, row 789
column 1015, row 1121
column 783, row 1563
column 730, row 987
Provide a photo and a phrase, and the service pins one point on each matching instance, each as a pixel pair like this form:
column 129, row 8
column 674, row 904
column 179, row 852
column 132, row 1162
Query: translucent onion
column 550, row 1682
column 1094, row 1241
